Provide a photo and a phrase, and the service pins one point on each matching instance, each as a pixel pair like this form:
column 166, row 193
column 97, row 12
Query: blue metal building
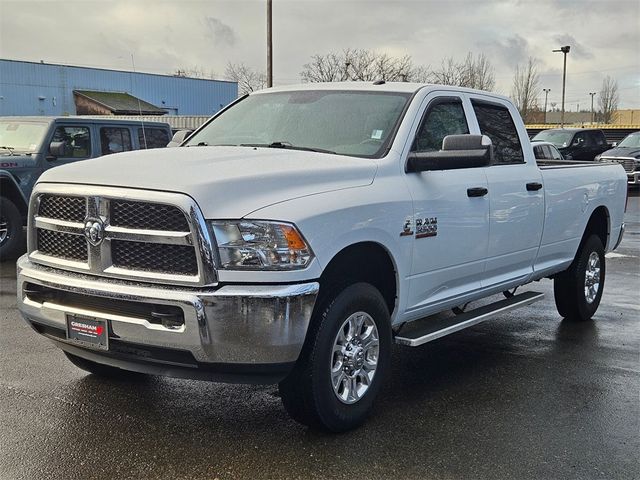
column 29, row 88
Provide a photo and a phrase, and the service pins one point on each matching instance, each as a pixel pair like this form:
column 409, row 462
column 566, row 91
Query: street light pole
column 269, row 47
column 546, row 94
column 564, row 50
column 592, row 95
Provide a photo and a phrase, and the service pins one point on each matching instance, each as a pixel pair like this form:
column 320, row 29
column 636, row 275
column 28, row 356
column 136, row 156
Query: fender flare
column 13, row 192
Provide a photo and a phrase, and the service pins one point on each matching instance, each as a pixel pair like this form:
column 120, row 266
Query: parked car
column 627, row 154
column 545, row 151
column 575, row 143
column 299, row 233
column 31, row 145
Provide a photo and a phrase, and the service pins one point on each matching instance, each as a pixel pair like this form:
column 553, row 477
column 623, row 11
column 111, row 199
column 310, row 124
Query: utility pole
column 592, row 116
column 269, row 47
column 546, row 94
column 564, row 50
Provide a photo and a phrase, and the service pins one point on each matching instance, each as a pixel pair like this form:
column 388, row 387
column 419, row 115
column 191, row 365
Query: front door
column 78, row 144
column 451, row 222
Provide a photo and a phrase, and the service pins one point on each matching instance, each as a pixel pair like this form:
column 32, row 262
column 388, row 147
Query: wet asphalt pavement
column 524, row 396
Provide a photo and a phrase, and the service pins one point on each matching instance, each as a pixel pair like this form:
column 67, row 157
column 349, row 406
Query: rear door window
column 77, row 140
column 599, row 139
column 495, row 122
column 153, row 137
column 539, row 152
column 114, row 140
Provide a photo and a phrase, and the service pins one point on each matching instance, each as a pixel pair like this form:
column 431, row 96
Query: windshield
column 344, row 122
column 631, row 140
column 559, row 138
column 20, row 137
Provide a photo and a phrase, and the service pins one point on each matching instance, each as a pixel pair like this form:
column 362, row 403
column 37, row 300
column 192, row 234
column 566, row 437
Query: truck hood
column 227, row 182
column 632, row 152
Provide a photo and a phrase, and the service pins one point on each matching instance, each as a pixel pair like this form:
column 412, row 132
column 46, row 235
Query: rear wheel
column 101, row 370
column 343, row 363
column 11, row 233
column 578, row 290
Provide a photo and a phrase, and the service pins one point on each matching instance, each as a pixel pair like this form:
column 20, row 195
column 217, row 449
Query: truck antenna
column 144, row 133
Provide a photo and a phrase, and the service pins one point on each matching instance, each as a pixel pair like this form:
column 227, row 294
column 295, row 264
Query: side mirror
column 458, row 151
column 59, row 149
column 614, row 144
column 179, row 137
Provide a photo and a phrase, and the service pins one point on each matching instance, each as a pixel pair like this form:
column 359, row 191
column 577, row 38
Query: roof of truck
column 396, row 87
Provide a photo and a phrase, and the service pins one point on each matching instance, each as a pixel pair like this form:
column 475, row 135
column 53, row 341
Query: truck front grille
column 71, row 209
column 151, row 240
column 629, row 164
column 148, row 216
column 62, row 245
column 154, row 257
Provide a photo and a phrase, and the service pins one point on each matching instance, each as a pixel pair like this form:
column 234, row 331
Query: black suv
column 575, row 143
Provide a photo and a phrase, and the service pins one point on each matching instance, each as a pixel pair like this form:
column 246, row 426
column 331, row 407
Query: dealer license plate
column 88, row 331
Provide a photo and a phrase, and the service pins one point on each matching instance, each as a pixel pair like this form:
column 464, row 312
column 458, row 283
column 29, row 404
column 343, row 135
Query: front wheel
column 11, row 233
column 343, row 363
column 578, row 290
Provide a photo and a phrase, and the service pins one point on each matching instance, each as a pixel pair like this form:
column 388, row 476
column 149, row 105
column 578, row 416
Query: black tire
column 569, row 286
column 307, row 393
column 11, row 231
column 101, row 370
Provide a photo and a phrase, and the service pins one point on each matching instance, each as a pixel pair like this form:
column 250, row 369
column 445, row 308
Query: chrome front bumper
column 242, row 326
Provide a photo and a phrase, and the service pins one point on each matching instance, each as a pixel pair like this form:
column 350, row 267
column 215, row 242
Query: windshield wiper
column 11, row 149
column 286, row 146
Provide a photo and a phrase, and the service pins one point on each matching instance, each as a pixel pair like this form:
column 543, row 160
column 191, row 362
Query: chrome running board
column 423, row 331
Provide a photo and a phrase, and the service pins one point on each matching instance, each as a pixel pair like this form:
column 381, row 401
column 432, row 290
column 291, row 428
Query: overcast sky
column 166, row 35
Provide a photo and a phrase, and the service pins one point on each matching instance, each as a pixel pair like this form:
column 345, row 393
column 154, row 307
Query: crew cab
column 301, row 231
column 31, row 145
column 627, row 154
column 575, row 143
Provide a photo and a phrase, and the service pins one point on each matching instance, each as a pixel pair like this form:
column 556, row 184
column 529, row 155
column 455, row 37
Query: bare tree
column 248, row 79
column 526, row 89
column 608, row 100
column 472, row 72
column 362, row 65
column 325, row 68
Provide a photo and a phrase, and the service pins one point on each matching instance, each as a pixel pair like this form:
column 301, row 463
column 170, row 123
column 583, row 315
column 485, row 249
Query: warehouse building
column 31, row 88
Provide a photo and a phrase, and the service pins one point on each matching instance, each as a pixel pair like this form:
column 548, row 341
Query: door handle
column 533, row 186
column 477, row 192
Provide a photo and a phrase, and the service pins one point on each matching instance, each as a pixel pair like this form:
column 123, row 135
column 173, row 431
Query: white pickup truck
column 302, row 230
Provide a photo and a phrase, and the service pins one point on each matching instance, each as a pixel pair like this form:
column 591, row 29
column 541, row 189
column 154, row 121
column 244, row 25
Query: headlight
column 260, row 245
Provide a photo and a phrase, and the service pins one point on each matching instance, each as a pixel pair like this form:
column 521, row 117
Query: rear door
column 450, row 228
column 114, row 139
column 515, row 194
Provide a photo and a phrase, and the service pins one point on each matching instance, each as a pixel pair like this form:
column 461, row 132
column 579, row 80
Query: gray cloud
column 577, row 49
column 220, row 32
column 509, row 51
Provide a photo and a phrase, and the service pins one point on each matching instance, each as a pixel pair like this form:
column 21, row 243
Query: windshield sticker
column 376, row 134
